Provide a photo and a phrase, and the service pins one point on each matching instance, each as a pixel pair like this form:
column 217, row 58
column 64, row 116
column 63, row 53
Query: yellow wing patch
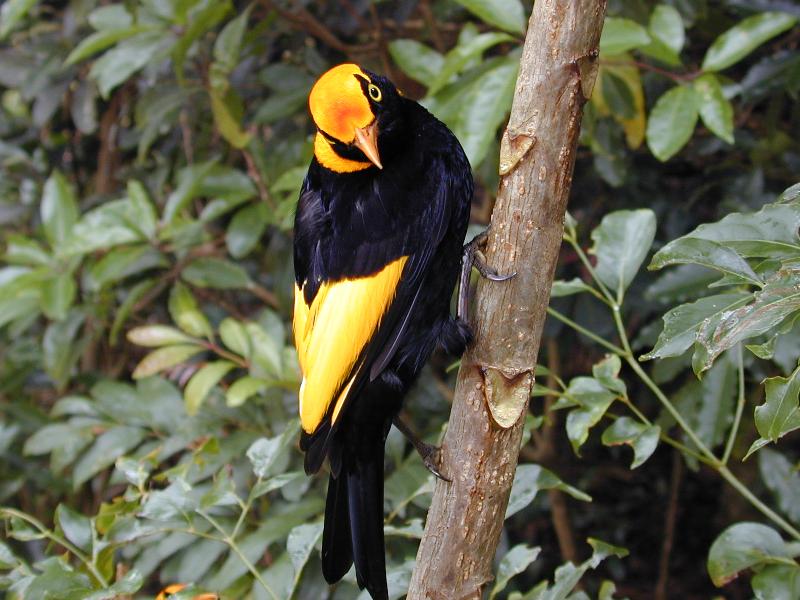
column 331, row 333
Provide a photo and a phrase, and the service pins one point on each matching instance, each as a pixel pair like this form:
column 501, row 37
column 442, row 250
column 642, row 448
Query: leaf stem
column 6, row 512
column 233, row 546
column 737, row 418
column 580, row 329
column 245, row 510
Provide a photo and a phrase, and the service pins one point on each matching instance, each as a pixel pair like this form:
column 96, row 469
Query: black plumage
column 350, row 225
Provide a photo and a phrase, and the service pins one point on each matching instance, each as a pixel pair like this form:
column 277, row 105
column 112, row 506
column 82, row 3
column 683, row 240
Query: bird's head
column 351, row 108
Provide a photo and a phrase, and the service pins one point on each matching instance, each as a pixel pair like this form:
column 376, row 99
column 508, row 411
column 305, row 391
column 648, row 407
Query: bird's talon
column 431, row 458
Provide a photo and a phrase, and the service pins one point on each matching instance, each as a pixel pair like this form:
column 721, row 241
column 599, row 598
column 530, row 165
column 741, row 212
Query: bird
column 378, row 246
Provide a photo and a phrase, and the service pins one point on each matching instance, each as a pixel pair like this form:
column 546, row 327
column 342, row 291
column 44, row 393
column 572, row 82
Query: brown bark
column 481, row 446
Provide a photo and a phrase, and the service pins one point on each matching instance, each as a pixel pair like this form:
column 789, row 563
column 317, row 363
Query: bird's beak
column 367, row 142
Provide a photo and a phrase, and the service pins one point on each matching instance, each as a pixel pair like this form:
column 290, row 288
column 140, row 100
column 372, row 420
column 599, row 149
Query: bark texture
column 481, row 446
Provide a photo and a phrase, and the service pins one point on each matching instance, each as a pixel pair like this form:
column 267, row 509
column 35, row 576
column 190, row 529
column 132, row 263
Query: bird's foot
column 431, row 455
column 473, row 257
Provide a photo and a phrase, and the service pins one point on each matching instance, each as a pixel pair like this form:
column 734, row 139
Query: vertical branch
column 481, row 446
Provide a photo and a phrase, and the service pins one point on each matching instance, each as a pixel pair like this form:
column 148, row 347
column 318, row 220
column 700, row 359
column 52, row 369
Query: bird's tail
column 353, row 530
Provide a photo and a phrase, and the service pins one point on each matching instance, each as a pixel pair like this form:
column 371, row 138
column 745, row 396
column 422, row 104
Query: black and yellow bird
column 379, row 234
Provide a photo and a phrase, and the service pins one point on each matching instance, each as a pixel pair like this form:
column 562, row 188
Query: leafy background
column 151, row 156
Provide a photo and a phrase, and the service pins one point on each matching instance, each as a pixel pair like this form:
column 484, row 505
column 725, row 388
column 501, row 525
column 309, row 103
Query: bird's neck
column 328, row 158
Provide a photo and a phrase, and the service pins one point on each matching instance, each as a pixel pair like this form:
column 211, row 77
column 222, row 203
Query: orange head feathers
column 342, row 105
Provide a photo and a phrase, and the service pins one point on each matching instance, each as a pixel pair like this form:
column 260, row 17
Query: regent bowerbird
column 378, row 248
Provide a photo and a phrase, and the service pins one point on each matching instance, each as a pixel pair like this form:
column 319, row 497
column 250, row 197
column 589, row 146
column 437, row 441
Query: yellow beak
column 367, row 142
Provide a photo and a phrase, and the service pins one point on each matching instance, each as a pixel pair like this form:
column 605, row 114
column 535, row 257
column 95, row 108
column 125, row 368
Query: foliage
column 151, row 157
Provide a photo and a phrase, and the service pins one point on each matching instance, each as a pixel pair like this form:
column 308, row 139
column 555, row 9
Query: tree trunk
column 481, row 446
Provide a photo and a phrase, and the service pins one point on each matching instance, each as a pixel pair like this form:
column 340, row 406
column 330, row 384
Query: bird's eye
column 374, row 92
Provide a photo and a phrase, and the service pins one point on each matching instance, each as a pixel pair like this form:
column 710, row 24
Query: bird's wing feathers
column 332, row 334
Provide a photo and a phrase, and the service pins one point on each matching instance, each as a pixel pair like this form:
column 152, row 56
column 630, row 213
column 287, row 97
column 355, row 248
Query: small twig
column 669, row 526
column 678, row 77
column 264, row 295
column 433, row 26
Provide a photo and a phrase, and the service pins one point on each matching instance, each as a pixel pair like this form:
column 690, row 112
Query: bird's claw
column 474, row 257
column 431, row 455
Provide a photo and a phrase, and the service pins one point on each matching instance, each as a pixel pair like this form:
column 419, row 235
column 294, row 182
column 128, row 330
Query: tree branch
column 481, row 446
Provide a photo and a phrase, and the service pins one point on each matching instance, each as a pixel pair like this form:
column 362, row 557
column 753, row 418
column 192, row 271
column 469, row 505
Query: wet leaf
column 621, row 243
column 741, row 39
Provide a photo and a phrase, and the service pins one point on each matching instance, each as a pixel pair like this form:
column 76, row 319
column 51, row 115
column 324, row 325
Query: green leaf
column 165, row 358
column 216, row 273
column 743, row 546
column 741, row 39
column 187, row 315
column 621, row 243
column 127, row 57
column 104, row 452
column 203, row 381
column 568, row 288
column 111, row 16
column 513, row 563
column 266, row 352
column 22, row 250
column 109, row 225
column 300, row 543
column 593, row 400
column 190, row 183
column 772, row 232
column 416, row 60
column 228, row 45
column 715, row 109
column 620, row 35
column 682, row 323
column 640, row 437
column 777, row 582
column 57, row 575
column 246, row 228
column 672, row 122
column 243, row 389
column 59, row 349
column 508, row 15
column 264, row 452
column 667, row 35
column 142, row 209
column 129, row 584
column 225, row 118
column 59, row 209
column 76, row 527
column 783, row 480
column 780, row 412
column 777, row 301
column 234, row 336
column 121, row 263
column 11, row 13
column 618, row 95
column 529, row 479
column 706, row 253
column 275, row 483
column 100, row 40
column 486, row 104
column 207, row 15
column 58, row 295
column 462, row 54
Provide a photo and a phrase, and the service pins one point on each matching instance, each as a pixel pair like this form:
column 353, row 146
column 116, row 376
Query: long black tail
column 354, row 523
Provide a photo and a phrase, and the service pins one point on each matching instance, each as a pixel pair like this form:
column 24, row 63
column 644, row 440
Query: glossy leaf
column 216, row 273
column 127, row 57
column 300, row 543
column 568, row 288
column 777, row 582
column 782, row 479
column 11, row 13
column 642, row 438
column 187, row 315
column 202, row 383
column 264, row 452
column 243, row 389
column 593, row 400
column 459, row 56
column 743, row 546
column 234, row 336
column 706, row 253
column 508, row 15
column 59, row 209
column 109, row 446
column 76, row 527
column 780, row 412
column 513, row 563
column 529, row 479
column 715, row 110
column 621, row 243
column 682, row 323
column 744, row 37
column 246, row 228
column 672, row 122
column 667, row 34
column 416, row 60
column 154, row 336
column 165, row 358
column 620, row 35
column 58, row 296
column 99, row 41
